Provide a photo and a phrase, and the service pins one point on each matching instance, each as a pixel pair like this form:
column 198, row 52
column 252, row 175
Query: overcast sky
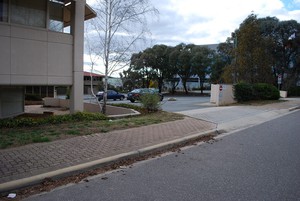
column 212, row 21
column 203, row 22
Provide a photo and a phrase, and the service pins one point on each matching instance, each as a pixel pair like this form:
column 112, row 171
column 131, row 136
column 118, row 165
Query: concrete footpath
column 30, row 164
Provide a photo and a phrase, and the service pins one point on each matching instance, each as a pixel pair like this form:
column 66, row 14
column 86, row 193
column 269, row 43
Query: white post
column 76, row 99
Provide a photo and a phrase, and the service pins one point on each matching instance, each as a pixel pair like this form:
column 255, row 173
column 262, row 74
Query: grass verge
column 46, row 130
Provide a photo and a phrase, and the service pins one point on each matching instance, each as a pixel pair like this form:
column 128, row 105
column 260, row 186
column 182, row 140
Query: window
column 29, row 12
column 50, row 91
column 3, row 11
column 56, row 14
column 28, row 90
column 44, row 91
column 52, row 14
column 36, row 90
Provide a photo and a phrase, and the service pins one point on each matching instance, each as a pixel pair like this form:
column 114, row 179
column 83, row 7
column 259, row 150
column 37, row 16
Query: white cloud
column 206, row 22
column 210, row 21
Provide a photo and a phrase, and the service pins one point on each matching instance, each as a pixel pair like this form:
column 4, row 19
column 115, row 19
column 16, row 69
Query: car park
column 111, row 94
column 136, row 94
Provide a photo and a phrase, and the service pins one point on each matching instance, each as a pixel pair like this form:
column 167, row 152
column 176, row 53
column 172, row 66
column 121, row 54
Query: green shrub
column 87, row 116
column 151, row 102
column 294, row 91
column 263, row 91
column 260, row 91
column 243, row 92
column 40, row 139
column 17, row 122
column 33, row 97
column 57, row 119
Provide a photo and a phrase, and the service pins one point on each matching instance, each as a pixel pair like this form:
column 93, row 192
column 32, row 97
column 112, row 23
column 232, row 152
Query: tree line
column 165, row 63
column 259, row 51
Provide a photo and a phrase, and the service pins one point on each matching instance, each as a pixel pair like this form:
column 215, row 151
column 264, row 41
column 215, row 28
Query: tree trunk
column 184, row 85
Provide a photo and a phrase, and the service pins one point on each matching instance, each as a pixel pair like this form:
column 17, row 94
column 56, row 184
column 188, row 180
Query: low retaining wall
column 89, row 107
column 56, row 102
column 110, row 110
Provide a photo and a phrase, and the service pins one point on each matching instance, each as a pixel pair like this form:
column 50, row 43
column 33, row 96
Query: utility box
column 222, row 94
column 283, row 94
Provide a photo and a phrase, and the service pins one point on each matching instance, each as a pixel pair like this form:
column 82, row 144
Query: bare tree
column 93, row 59
column 119, row 26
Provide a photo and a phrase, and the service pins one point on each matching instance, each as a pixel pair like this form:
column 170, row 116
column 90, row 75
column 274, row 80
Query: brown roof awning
column 89, row 13
column 92, row 74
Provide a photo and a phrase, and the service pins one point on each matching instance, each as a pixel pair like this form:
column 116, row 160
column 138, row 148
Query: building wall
column 87, row 84
column 11, row 101
column 33, row 56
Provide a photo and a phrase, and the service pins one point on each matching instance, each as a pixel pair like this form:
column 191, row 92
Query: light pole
column 234, row 36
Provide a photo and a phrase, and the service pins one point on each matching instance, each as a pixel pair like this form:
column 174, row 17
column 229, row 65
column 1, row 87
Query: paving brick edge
column 33, row 180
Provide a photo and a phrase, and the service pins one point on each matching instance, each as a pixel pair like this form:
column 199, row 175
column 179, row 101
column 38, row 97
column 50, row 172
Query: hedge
column 294, row 91
column 259, row 91
column 243, row 92
column 263, row 91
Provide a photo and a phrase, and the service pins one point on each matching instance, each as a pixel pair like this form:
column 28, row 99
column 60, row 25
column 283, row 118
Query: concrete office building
column 41, row 44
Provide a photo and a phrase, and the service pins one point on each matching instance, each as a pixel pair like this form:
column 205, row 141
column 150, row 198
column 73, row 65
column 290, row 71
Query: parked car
column 137, row 93
column 111, row 94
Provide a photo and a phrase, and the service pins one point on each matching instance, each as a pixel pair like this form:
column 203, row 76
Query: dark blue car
column 136, row 94
column 111, row 94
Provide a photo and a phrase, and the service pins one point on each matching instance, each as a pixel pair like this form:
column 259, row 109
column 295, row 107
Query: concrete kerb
column 176, row 142
column 294, row 108
column 30, row 181
column 117, row 116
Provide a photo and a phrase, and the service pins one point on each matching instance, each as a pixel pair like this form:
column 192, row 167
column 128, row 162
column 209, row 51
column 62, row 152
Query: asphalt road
column 259, row 163
column 181, row 103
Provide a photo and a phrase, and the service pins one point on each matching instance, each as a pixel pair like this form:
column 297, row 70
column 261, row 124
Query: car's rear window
column 136, row 91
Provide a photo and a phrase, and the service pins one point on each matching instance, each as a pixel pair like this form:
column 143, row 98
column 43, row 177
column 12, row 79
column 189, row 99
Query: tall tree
column 201, row 62
column 139, row 63
column 157, row 58
column 131, row 79
column 118, row 27
column 285, row 52
column 171, row 71
column 265, row 48
column 253, row 61
column 221, row 58
column 181, row 57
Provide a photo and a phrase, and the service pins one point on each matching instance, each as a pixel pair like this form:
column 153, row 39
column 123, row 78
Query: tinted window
column 3, row 11
column 110, row 92
column 56, row 12
column 136, row 91
column 29, row 12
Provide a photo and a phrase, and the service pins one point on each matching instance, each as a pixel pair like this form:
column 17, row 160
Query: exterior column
column 76, row 99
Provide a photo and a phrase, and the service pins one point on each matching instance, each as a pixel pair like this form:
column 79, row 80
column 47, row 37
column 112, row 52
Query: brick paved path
column 30, row 160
